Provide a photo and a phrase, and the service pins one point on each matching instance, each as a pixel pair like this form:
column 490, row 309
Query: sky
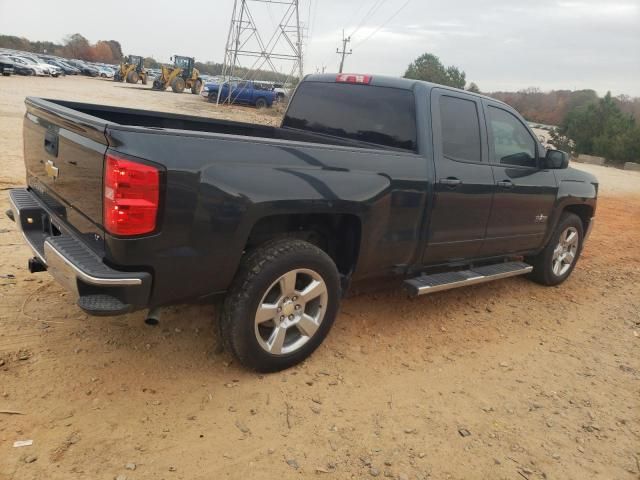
column 500, row 44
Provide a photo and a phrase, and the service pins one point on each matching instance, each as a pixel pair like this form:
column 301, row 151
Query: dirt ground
column 507, row 380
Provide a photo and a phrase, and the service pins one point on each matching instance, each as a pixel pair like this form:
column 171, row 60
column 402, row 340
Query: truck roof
column 393, row 82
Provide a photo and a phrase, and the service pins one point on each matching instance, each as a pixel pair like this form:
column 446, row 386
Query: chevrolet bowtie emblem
column 541, row 218
column 52, row 170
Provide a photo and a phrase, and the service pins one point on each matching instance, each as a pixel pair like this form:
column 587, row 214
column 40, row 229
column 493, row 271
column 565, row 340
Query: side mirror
column 556, row 159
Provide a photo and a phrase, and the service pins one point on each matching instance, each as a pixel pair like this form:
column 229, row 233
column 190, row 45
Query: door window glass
column 460, row 129
column 512, row 142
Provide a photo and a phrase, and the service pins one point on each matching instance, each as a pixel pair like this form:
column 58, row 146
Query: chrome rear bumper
column 73, row 264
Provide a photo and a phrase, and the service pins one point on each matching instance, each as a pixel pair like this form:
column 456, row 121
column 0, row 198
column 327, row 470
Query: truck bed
column 163, row 120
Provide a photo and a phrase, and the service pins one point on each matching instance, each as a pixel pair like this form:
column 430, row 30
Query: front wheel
column 281, row 305
column 554, row 264
column 261, row 103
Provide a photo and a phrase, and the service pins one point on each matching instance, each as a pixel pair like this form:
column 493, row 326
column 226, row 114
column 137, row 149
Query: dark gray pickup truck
column 367, row 177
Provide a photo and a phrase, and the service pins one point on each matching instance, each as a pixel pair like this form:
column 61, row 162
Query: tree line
column 607, row 127
column 73, row 46
column 110, row 51
column 214, row 68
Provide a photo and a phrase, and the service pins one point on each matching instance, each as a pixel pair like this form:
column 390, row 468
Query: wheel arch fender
column 575, row 197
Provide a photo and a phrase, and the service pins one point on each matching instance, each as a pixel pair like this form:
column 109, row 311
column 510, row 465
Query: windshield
column 27, row 60
column 182, row 62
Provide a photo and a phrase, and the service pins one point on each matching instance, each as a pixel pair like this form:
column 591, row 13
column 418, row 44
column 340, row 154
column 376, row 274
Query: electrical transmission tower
column 246, row 47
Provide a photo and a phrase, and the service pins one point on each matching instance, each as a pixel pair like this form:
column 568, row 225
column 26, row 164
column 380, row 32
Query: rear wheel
column 157, row 85
column 281, row 306
column 178, row 85
column 554, row 264
column 261, row 103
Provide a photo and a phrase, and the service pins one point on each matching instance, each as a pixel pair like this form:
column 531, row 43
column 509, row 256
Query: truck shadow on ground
column 186, row 339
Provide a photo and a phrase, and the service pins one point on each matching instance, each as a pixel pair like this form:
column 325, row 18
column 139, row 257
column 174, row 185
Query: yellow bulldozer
column 131, row 70
column 181, row 75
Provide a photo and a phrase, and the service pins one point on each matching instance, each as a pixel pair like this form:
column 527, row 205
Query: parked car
column 6, row 67
column 66, row 68
column 105, row 72
column 367, row 178
column 84, row 68
column 33, row 67
column 242, row 92
column 18, row 68
column 53, row 70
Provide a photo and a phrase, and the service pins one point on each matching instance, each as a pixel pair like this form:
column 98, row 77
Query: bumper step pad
column 101, row 290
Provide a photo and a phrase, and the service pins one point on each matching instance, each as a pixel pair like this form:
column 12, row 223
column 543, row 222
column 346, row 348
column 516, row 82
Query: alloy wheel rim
column 291, row 311
column 565, row 252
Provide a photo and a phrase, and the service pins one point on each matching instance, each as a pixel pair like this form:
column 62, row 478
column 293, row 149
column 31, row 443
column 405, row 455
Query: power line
column 384, row 24
column 372, row 11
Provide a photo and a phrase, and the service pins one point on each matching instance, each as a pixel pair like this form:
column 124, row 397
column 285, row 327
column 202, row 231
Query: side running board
column 447, row 280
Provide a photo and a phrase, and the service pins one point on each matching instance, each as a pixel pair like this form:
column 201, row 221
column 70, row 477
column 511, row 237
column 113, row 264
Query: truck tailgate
column 64, row 156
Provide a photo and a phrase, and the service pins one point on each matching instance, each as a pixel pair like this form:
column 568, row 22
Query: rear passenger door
column 525, row 192
column 463, row 184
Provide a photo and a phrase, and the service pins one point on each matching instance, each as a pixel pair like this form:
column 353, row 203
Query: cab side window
column 460, row 129
column 512, row 142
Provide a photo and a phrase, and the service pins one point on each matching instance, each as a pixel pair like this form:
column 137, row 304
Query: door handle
column 505, row 184
column 450, row 181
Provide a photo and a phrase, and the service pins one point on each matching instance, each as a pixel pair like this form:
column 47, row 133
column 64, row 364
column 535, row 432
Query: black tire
column 543, row 263
column 196, row 88
column 157, row 85
column 261, row 103
column 177, row 85
column 258, row 272
column 32, row 72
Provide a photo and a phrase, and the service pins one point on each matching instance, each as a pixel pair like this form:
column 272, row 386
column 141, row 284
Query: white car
column 105, row 72
column 36, row 67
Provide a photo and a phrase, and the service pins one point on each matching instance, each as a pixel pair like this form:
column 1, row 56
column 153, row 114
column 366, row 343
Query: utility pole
column 344, row 50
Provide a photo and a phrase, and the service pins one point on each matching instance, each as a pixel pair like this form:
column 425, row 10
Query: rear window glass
column 380, row 115
column 460, row 129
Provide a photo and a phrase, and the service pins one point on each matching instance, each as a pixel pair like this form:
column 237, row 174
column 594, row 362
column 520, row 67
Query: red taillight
column 353, row 78
column 131, row 194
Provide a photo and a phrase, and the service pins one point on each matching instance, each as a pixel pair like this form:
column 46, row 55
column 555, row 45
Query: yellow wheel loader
column 181, row 75
column 131, row 70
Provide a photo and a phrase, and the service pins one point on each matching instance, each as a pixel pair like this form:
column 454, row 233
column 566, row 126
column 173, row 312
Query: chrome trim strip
column 85, row 277
column 472, row 281
column 16, row 216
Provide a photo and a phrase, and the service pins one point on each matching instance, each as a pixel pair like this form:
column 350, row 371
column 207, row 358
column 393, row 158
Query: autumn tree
column 76, row 46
